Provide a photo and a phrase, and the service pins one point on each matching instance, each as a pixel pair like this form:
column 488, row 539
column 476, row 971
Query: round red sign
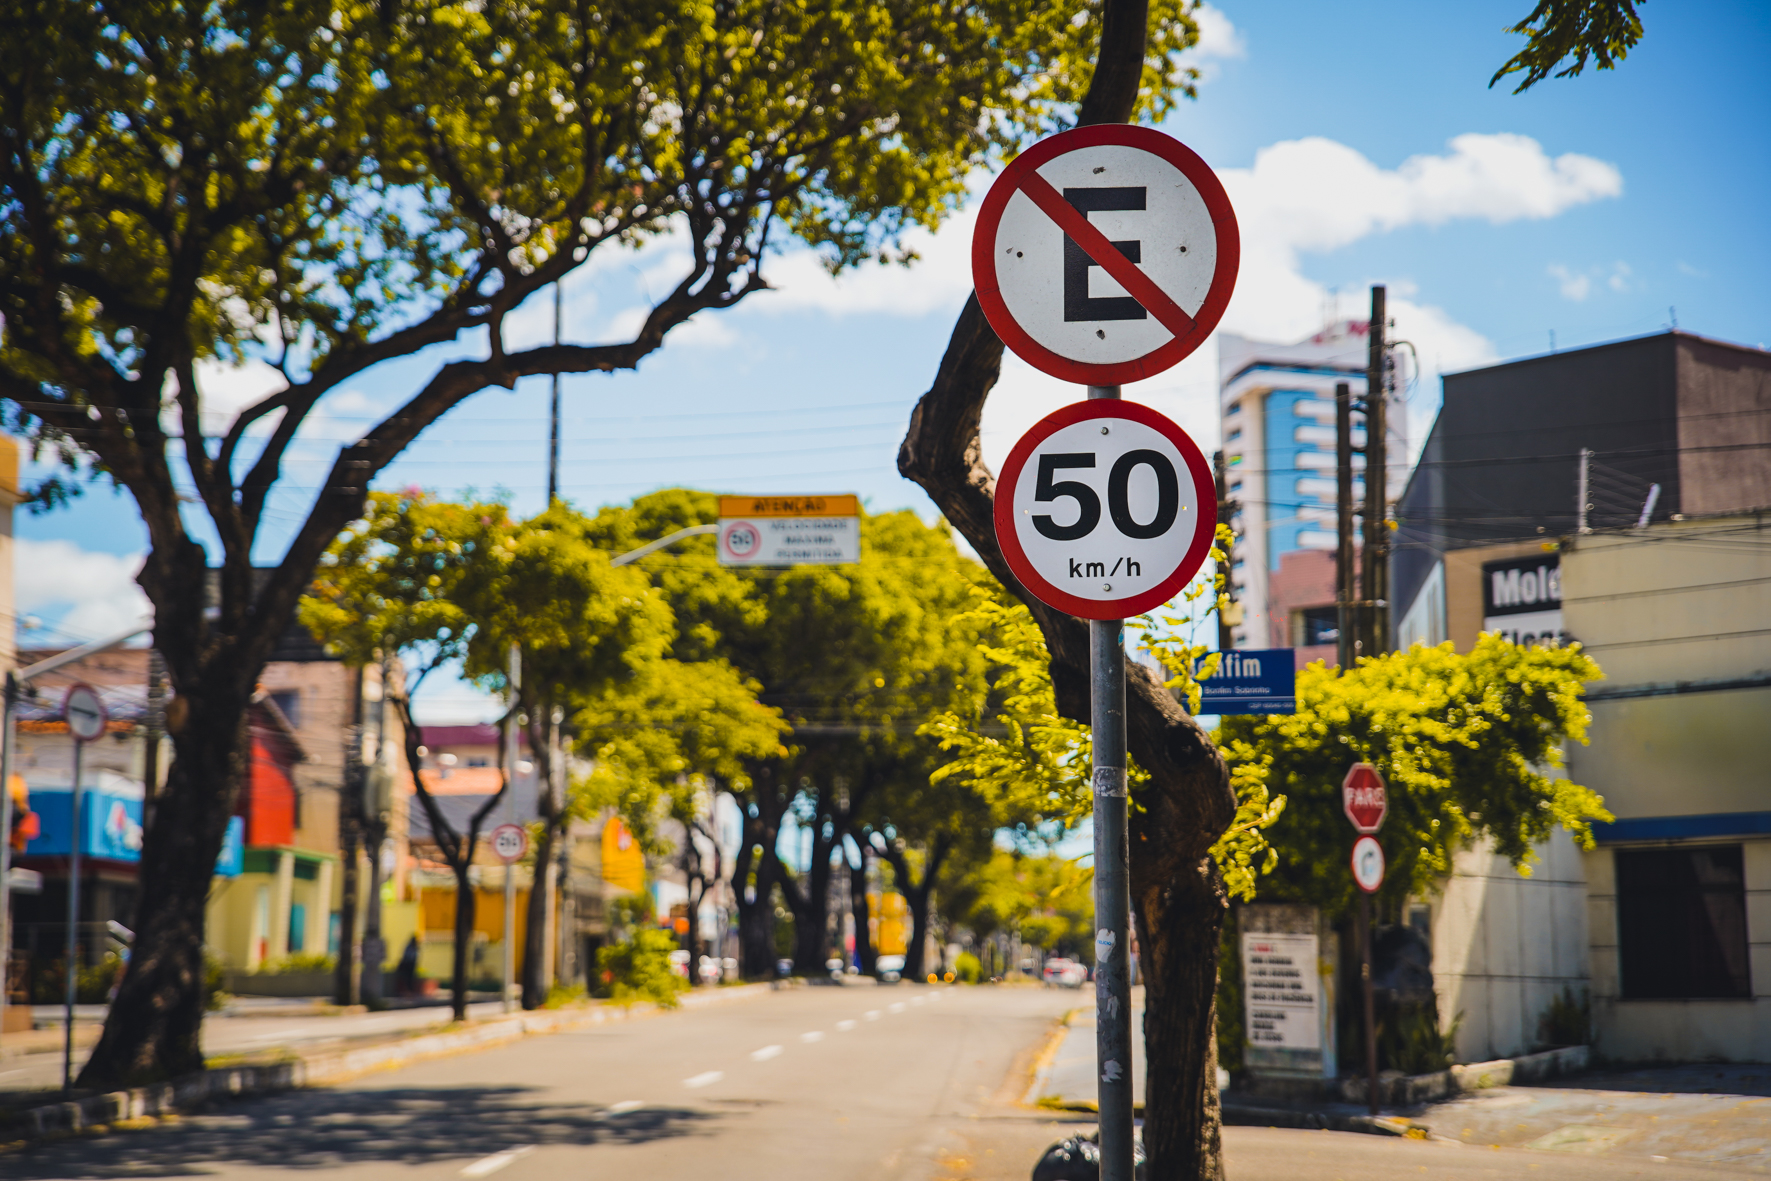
column 1364, row 797
column 1105, row 254
column 1105, row 509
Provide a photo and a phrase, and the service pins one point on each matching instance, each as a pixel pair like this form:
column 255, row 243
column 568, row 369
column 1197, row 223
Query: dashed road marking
column 705, row 1079
column 916, row 1000
column 870, row 1015
column 844, row 1026
column 816, row 1035
column 895, row 1007
column 625, row 1106
column 764, row 1054
column 486, row 1166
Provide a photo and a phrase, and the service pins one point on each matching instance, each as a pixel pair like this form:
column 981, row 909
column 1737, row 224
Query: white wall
column 1505, row 945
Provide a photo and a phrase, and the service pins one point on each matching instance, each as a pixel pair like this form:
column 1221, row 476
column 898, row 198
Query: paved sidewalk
column 1692, row 1115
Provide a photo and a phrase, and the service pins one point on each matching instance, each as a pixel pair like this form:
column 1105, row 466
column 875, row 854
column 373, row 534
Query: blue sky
column 1360, row 143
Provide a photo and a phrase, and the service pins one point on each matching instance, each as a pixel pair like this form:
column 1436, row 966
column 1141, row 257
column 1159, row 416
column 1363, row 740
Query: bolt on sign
column 789, row 530
column 1365, row 798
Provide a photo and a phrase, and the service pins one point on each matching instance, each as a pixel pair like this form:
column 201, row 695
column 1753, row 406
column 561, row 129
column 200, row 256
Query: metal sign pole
column 73, row 970
column 515, row 675
column 1112, row 887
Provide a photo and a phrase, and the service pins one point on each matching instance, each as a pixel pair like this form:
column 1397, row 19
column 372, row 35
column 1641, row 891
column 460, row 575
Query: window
column 478, row 761
column 1681, row 922
column 289, row 702
column 1316, row 625
column 1236, row 434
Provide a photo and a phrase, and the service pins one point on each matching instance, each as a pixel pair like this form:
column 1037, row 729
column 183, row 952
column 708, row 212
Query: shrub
column 639, row 969
column 968, row 967
column 300, row 961
column 1567, row 1021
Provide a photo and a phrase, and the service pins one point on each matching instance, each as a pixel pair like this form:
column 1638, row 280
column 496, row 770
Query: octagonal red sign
column 1364, row 797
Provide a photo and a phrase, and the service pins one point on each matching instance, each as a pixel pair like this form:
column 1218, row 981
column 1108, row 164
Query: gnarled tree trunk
column 1177, row 895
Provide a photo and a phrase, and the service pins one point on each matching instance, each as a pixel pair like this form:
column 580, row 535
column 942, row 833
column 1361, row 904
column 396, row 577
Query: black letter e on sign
column 1077, row 304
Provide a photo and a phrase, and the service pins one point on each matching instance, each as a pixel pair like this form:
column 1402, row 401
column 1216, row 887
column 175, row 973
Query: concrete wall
column 1505, row 945
column 1681, row 1030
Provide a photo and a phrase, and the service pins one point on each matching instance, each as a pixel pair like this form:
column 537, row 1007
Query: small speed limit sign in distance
column 509, row 843
column 1105, row 509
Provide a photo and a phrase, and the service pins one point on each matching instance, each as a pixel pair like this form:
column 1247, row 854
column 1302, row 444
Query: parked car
column 889, row 968
column 1064, row 973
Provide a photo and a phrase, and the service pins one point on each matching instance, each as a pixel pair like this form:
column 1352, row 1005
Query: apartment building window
column 1681, row 922
column 1311, row 626
column 288, row 701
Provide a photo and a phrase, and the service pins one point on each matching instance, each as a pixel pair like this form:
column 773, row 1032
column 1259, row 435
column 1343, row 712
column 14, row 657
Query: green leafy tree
column 1465, row 743
column 1574, row 32
column 328, row 185
column 853, row 656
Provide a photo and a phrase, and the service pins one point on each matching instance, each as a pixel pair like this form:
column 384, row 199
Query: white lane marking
column 817, row 1035
column 705, row 1078
column 764, row 1054
column 895, row 1007
column 486, row 1166
column 870, row 1015
column 934, row 996
column 844, row 1026
column 916, row 1000
column 625, row 1106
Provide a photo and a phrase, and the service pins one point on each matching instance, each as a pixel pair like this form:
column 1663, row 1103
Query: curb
column 141, row 1105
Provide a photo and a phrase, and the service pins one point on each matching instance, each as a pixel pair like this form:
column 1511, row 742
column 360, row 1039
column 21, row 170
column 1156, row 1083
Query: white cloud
column 84, row 594
column 1573, row 286
column 1218, row 38
column 1620, row 277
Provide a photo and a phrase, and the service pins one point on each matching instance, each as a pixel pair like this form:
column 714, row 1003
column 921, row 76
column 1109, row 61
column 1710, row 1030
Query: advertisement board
column 1522, row 599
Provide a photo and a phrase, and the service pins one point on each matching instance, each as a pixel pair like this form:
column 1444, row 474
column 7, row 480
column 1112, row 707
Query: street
column 905, row 1082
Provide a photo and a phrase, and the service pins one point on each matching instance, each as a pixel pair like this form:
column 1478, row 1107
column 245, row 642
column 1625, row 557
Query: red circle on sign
column 1217, row 296
column 1204, row 488
column 741, row 539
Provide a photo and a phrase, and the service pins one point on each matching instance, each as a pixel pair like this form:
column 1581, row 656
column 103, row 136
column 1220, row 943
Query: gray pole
column 73, row 971
column 1345, row 610
column 510, row 811
column 1374, row 588
column 11, row 692
column 553, row 420
column 1106, row 648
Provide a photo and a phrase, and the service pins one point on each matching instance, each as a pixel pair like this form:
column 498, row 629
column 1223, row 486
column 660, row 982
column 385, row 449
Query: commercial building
column 1616, row 496
column 1277, row 405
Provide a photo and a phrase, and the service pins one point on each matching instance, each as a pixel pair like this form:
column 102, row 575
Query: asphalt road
column 829, row 1083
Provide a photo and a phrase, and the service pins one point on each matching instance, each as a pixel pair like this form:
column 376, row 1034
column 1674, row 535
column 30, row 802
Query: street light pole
column 510, row 809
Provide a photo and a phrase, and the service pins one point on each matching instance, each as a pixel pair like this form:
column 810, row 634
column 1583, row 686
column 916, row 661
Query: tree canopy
column 1466, row 743
column 1572, row 32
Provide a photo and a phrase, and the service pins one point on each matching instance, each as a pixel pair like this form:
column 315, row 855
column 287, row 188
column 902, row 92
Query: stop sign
column 1364, row 797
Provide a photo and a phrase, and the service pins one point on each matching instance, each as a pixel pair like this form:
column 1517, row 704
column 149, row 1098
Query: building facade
column 1614, row 496
column 1278, row 415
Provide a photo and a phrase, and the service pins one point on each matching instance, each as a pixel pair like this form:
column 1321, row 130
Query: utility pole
column 1582, row 505
column 515, row 678
column 1346, row 610
column 377, row 800
column 1226, row 512
column 1374, row 583
column 344, row 979
column 553, row 421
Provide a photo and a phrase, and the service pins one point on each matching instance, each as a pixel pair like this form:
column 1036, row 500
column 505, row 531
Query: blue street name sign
column 1257, row 681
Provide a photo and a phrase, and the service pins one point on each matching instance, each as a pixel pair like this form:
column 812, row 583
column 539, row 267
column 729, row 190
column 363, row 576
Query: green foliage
column 1409, row 1039
column 968, row 968
column 1031, row 764
column 1463, row 742
column 1232, row 1030
column 565, row 996
column 215, row 974
column 1603, row 31
column 1047, row 899
column 1567, row 1020
column 300, row 961
column 638, row 969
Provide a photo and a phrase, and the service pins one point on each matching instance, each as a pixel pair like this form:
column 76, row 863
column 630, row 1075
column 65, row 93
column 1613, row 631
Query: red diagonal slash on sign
column 1095, row 244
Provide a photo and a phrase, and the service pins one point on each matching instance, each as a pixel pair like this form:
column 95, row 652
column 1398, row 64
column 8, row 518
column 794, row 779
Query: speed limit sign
column 1106, row 509
column 509, row 843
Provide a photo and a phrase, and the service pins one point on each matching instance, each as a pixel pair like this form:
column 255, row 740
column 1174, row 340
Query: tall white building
column 1277, row 403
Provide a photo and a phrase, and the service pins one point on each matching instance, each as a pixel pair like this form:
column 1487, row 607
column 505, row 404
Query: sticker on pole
column 509, row 842
column 84, row 713
column 1105, row 254
column 1368, row 864
column 1105, row 509
column 1365, row 798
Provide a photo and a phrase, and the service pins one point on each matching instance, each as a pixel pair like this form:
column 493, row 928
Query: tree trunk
column 1178, row 900
column 858, row 907
column 535, row 945
column 755, row 875
column 916, row 900
column 154, row 1028
column 465, row 902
